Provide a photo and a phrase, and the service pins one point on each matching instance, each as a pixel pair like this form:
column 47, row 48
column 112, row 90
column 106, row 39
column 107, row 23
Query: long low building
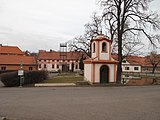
column 12, row 58
column 12, row 62
column 57, row 61
column 139, row 64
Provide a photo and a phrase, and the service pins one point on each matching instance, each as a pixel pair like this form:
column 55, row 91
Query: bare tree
column 94, row 28
column 28, row 53
column 154, row 59
column 125, row 18
column 130, row 46
column 82, row 43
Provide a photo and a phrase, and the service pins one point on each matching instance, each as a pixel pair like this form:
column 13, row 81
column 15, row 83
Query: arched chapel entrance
column 104, row 74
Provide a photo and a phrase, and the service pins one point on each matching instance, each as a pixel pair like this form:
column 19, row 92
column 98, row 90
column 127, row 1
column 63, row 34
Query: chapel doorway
column 104, row 74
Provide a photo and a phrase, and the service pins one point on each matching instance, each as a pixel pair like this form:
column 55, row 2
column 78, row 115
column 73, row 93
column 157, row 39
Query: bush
column 12, row 79
column 35, row 76
column 5, row 71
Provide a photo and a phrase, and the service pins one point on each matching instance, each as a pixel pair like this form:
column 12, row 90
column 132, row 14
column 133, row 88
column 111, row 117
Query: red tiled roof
column 100, row 38
column 17, row 59
column 135, row 60
column 154, row 58
column 10, row 50
column 114, row 56
column 44, row 55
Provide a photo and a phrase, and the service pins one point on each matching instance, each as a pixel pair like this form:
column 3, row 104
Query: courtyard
column 81, row 103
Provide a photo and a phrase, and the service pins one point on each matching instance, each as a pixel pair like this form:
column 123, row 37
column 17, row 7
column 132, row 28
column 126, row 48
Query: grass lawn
column 64, row 79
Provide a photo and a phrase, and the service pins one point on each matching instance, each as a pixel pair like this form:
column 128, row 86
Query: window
column 94, row 47
column 3, row 68
column 126, row 75
column 76, row 66
column 57, row 66
column 30, row 68
column 126, row 68
column 158, row 69
column 39, row 65
column 104, row 47
column 136, row 68
column 52, row 65
column 45, row 66
column 124, row 61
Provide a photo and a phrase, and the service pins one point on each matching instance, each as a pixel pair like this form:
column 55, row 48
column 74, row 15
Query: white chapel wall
column 87, row 72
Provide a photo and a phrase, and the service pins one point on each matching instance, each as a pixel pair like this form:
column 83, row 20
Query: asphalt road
column 81, row 103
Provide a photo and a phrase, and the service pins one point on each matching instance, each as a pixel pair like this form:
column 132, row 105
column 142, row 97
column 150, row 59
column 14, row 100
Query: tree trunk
column 119, row 31
column 119, row 72
column 154, row 68
column 119, row 66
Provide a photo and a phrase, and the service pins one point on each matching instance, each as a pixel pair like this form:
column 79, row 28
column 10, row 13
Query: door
column 104, row 74
column 65, row 67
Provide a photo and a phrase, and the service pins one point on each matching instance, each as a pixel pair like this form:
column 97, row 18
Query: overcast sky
column 44, row 24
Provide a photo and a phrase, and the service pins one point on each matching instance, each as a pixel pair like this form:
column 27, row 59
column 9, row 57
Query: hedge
column 11, row 79
column 5, row 71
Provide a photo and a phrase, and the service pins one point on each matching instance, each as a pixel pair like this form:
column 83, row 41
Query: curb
column 54, row 84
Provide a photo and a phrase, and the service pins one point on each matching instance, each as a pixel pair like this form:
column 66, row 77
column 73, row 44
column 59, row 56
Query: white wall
column 111, row 66
column 87, row 72
column 104, row 56
column 131, row 68
column 97, row 73
column 49, row 65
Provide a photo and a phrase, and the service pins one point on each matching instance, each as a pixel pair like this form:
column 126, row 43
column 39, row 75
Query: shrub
column 5, row 71
column 35, row 76
column 11, row 79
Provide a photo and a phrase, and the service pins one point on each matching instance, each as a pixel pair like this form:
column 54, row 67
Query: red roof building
column 10, row 50
column 137, row 64
column 12, row 58
column 54, row 61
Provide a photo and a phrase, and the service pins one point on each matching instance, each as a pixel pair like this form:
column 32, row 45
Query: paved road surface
column 81, row 103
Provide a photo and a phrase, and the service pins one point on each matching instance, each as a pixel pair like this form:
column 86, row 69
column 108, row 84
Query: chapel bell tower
column 101, row 48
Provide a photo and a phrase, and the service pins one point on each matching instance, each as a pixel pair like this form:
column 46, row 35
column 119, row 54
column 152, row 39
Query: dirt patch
column 142, row 81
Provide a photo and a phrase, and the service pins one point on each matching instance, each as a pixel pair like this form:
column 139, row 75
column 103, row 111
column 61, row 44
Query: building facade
column 138, row 64
column 53, row 62
column 101, row 67
column 132, row 64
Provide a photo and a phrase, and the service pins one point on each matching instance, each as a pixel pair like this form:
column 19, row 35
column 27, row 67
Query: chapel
column 101, row 67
